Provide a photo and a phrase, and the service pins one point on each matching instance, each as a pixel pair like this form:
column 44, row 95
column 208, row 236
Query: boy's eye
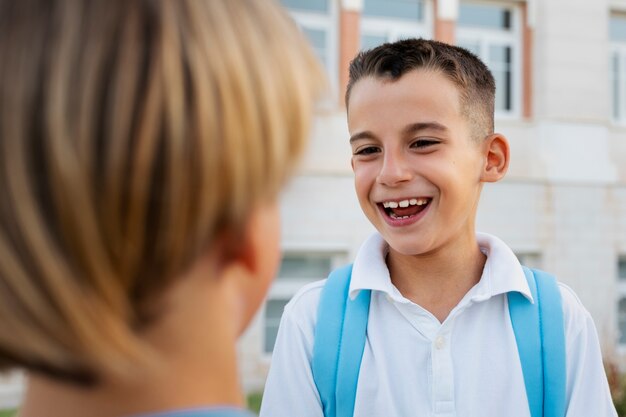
column 424, row 143
column 366, row 150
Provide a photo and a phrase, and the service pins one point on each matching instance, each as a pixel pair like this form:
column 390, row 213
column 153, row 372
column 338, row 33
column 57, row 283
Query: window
column 12, row 389
column 621, row 303
column 316, row 19
column 307, row 5
column 529, row 259
column 296, row 270
column 491, row 31
column 390, row 20
column 273, row 313
column 617, row 29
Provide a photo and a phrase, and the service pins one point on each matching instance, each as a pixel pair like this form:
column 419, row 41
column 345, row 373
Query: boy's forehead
column 417, row 94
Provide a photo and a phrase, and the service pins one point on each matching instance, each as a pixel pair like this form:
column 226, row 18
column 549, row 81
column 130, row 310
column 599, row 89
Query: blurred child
column 439, row 338
column 142, row 147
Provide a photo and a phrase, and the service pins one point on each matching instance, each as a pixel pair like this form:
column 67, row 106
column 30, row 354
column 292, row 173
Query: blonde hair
column 132, row 135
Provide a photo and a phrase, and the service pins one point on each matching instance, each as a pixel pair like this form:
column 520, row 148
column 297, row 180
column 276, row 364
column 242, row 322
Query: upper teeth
column 405, row 203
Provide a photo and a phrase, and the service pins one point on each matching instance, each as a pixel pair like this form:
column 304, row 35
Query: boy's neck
column 179, row 388
column 438, row 281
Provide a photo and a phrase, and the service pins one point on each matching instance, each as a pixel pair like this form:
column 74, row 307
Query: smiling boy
column 439, row 336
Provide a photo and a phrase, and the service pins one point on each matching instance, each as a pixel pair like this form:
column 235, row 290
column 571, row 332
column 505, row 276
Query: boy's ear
column 258, row 245
column 250, row 269
column 496, row 151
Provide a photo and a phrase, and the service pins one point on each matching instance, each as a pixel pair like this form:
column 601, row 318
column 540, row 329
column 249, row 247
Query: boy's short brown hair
column 471, row 76
column 134, row 137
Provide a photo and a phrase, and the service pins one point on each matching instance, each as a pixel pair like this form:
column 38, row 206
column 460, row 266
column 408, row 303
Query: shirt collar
column 502, row 273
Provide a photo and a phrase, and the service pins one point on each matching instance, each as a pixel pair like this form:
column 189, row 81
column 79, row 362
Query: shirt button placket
column 440, row 342
column 443, row 378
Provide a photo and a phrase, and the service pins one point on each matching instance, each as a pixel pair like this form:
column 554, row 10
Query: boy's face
column 417, row 169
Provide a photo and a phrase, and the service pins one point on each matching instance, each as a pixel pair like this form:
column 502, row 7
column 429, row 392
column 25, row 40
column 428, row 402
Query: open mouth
column 404, row 209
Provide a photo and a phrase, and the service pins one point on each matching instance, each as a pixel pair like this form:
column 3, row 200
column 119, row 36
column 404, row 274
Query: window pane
column 372, row 41
column 273, row 313
column 622, row 268
column 621, row 92
column 499, row 62
column 500, row 55
column 622, row 321
column 473, row 47
column 503, row 90
column 307, row 266
column 307, row 5
column 317, row 37
column 616, row 89
column 485, row 16
column 401, row 9
column 617, row 28
column 531, row 260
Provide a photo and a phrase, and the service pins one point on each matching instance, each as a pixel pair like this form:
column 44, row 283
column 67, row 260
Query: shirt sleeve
column 290, row 390
column 587, row 388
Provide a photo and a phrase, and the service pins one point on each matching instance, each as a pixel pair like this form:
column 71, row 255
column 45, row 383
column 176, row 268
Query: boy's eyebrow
column 361, row 135
column 408, row 130
column 417, row 127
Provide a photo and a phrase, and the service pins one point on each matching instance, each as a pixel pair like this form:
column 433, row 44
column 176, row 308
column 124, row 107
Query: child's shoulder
column 301, row 310
column 306, row 299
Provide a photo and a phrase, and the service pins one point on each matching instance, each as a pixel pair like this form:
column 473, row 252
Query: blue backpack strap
column 330, row 315
column 351, row 352
column 553, row 344
column 340, row 335
column 540, row 337
column 525, row 319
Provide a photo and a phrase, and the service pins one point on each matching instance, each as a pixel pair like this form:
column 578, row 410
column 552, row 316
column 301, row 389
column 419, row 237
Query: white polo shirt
column 413, row 365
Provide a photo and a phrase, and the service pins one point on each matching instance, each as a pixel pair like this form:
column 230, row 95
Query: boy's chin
column 409, row 246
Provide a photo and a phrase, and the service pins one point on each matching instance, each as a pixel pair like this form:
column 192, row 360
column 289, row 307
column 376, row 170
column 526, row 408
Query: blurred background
column 560, row 67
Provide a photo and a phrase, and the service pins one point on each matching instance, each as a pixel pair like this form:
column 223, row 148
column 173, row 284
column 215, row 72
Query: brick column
column 349, row 36
column 446, row 12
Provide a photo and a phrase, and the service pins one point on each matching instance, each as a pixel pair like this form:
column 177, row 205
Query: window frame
column 327, row 22
column 394, row 29
column 617, row 48
column 620, row 294
column 486, row 37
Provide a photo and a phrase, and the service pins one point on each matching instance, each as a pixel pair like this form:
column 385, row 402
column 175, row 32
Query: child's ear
column 258, row 247
column 252, row 267
column 496, row 151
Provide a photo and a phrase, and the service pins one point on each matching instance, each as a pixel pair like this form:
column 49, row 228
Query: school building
column 560, row 67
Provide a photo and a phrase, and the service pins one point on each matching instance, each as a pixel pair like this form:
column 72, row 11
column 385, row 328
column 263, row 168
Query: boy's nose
column 394, row 170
